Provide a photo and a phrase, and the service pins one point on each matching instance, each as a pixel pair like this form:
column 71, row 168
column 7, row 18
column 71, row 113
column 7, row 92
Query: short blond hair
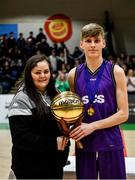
column 92, row 29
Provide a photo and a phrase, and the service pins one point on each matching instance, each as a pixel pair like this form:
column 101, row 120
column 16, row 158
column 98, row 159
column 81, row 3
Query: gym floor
column 5, row 151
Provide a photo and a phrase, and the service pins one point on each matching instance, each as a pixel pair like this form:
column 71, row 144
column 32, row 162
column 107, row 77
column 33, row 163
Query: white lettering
column 85, row 99
column 98, row 99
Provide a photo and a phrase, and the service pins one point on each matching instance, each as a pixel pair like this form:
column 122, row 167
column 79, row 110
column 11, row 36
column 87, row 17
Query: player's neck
column 93, row 64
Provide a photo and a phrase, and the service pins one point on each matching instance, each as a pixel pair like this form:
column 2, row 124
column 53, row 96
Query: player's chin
column 93, row 55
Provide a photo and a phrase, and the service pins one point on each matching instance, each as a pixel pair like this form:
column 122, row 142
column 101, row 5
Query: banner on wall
column 7, row 28
column 58, row 28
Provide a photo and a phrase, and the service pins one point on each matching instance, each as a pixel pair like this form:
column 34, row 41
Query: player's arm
column 71, row 78
column 122, row 101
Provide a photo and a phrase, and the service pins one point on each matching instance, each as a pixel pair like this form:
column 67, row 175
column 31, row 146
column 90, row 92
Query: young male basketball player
column 102, row 87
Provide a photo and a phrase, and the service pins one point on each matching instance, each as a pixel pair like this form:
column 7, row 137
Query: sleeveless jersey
column 104, row 104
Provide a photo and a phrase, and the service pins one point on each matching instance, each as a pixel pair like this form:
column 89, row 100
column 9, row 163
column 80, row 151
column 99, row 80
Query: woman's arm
column 24, row 138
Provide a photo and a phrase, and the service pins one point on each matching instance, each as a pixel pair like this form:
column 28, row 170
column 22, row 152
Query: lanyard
column 92, row 92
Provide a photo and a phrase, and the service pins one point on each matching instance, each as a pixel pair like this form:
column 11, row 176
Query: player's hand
column 81, row 131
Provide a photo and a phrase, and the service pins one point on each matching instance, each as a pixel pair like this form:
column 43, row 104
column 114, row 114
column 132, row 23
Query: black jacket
column 34, row 151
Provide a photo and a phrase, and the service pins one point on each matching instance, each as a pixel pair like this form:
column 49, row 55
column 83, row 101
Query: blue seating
column 14, row 75
column 6, row 86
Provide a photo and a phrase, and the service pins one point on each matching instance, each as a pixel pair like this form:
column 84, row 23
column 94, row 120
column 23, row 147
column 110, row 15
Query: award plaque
column 68, row 109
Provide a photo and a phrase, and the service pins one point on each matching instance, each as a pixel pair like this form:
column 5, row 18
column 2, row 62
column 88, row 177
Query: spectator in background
column 31, row 38
column 11, row 41
column 21, row 42
column 133, row 62
column 3, row 44
column 61, row 82
column 124, row 67
column 44, row 47
column 30, row 48
column 11, row 45
column 40, row 36
column 53, row 58
column 76, row 62
column 7, row 71
column 62, row 60
column 77, row 52
column 123, row 57
column 55, row 46
column 130, row 81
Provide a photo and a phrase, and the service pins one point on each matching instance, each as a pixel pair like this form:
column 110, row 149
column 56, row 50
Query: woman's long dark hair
column 30, row 87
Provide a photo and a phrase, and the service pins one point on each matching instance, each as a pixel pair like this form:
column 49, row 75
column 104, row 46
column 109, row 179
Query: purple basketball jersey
column 104, row 104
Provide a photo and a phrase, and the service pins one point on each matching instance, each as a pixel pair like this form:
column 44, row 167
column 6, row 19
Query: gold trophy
column 68, row 109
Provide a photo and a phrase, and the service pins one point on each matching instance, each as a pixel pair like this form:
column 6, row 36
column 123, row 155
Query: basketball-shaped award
column 68, row 109
column 67, row 105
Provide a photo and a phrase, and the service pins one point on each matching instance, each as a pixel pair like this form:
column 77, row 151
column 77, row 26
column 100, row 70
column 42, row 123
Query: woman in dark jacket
column 36, row 137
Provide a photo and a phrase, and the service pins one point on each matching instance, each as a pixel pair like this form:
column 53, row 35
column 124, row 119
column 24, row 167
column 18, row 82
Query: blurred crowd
column 14, row 53
column 128, row 64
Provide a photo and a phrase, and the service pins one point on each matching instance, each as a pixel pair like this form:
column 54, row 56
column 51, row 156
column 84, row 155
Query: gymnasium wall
column 32, row 14
column 31, row 24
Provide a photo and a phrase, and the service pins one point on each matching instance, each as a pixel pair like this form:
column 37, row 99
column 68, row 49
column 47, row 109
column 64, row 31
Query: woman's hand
column 62, row 141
